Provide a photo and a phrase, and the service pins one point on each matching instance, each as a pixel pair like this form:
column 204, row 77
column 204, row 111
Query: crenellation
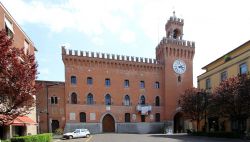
column 108, row 56
column 123, row 57
column 113, row 56
column 117, row 57
column 127, row 58
column 70, row 52
column 92, row 54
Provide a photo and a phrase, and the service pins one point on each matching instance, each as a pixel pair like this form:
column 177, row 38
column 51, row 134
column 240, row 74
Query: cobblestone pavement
column 114, row 137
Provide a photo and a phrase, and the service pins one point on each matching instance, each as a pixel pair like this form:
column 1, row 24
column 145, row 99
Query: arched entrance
column 54, row 125
column 108, row 124
column 178, row 123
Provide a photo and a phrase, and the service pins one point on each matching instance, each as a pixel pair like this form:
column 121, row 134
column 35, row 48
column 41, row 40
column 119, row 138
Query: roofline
column 225, row 54
column 5, row 9
column 48, row 81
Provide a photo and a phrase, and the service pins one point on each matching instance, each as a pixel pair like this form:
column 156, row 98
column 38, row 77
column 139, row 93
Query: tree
column 231, row 100
column 193, row 104
column 17, row 80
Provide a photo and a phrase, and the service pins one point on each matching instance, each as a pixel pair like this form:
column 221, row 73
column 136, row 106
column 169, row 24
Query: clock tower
column 176, row 55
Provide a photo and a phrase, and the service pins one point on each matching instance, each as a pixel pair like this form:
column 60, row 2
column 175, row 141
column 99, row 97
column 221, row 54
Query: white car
column 77, row 133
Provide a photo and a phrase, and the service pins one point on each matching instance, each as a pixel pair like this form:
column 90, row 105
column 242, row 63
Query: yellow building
column 229, row 65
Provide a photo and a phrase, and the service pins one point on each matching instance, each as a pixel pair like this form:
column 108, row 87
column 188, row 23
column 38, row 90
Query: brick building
column 23, row 125
column 117, row 93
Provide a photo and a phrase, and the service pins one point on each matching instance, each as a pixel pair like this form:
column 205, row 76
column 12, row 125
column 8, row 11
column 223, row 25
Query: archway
column 54, row 125
column 108, row 124
column 178, row 123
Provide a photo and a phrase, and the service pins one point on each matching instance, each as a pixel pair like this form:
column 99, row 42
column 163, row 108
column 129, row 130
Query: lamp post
column 47, row 95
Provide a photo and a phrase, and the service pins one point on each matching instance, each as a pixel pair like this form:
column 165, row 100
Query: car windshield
column 76, row 131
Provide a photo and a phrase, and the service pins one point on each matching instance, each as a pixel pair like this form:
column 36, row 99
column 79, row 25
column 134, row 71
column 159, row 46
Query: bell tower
column 176, row 55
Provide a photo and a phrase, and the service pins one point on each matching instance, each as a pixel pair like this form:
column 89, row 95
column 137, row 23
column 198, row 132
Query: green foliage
column 4, row 140
column 46, row 137
column 217, row 134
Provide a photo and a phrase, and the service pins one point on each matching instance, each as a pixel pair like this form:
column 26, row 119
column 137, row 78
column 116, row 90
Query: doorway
column 108, row 124
column 178, row 123
column 54, row 125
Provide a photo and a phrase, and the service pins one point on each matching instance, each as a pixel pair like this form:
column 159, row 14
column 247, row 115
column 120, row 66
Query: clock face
column 179, row 66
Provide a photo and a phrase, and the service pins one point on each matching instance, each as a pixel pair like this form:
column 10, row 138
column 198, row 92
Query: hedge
column 217, row 134
column 46, row 137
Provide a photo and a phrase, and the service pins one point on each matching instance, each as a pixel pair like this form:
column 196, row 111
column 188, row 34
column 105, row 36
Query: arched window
column 157, row 84
column 108, row 99
column 142, row 100
column 127, row 100
column 157, row 117
column 73, row 79
column 176, row 34
column 73, row 98
column 82, row 117
column 90, row 99
column 127, row 117
column 157, row 101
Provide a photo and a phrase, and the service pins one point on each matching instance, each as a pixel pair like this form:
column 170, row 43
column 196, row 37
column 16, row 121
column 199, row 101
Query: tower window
column 142, row 84
column 108, row 99
column 89, row 80
column 157, row 101
column 90, row 99
column 142, row 100
column 73, row 80
column 157, row 84
column 107, row 82
column 179, row 78
column 127, row 100
column 73, row 98
column 157, row 117
column 126, row 83
column 53, row 100
column 176, row 33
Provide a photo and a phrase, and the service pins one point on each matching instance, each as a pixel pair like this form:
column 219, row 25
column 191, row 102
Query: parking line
column 88, row 139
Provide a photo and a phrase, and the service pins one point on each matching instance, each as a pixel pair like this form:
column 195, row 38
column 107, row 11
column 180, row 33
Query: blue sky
column 128, row 27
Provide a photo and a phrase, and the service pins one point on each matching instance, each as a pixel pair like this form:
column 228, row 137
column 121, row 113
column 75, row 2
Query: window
column 143, row 118
column 223, row 76
column 142, row 100
column 82, row 117
column 107, row 82
column 73, row 79
column 73, row 98
column 90, row 99
column 26, row 47
column 157, row 85
column 142, row 84
column 9, row 27
column 208, row 84
column 108, row 99
column 243, row 68
column 126, row 83
column 127, row 117
column 53, row 100
column 157, row 101
column 89, row 80
column 157, row 117
column 127, row 100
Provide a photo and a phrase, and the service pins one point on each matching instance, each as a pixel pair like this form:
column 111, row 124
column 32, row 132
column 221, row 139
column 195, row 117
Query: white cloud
column 127, row 36
column 97, row 41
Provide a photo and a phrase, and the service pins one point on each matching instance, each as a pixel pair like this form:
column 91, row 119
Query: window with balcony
column 127, row 117
column 243, row 68
column 53, row 100
column 90, row 99
column 142, row 84
column 127, row 100
column 73, row 80
column 126, row 83
column 142, row 100
column 82, row 117
column 73, row 98
column 223, row 76
column 107, row 99
column 157, row 84
column 89, row 80
column 157, row 101
column 107, row 82
column 157, row 117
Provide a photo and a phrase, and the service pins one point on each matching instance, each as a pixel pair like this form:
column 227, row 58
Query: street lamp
column 47, row 94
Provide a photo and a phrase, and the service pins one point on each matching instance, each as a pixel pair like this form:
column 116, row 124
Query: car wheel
column 70, row 137
column 87, row 135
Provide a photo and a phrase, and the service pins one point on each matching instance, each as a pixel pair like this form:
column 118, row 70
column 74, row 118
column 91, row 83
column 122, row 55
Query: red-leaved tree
column 193, row 104
column 17, row 81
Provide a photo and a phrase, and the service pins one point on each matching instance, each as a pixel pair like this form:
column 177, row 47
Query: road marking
column 88, row 139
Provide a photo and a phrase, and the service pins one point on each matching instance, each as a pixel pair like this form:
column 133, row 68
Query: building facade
column 26, row 124
column 117, row 93
column 229, row 65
